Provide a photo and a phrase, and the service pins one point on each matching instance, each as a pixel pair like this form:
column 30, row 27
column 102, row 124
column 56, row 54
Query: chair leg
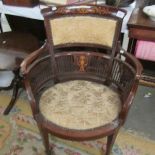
column 45, row 138
column 110, row 141
column 14, row 97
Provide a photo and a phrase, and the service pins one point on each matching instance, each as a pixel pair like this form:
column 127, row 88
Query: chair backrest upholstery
column 88, row 26
column 65, row 2
column 83, row 25
column 83, row 29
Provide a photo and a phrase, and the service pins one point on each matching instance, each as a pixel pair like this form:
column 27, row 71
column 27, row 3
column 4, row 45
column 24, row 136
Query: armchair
column 81, row 84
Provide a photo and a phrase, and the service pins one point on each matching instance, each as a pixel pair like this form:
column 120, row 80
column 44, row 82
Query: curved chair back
column 83, row 25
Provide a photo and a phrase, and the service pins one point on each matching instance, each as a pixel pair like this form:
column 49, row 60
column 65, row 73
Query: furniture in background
column 14, row 47
column 143, row 29
column 27, row 3
column 78, row 86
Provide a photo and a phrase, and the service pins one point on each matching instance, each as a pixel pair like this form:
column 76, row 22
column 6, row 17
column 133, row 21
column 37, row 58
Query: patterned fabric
column 80, row 104
column 63, row 2
column 83, row 29
column 55, row 1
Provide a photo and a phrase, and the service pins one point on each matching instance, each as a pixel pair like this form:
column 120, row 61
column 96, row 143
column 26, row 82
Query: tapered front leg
column 45, row 138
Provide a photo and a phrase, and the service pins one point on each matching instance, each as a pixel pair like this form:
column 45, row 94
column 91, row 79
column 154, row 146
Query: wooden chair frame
column 46, row 67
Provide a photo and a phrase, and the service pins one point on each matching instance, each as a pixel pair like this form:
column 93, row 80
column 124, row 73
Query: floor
column 142, row 113
column 141, row 118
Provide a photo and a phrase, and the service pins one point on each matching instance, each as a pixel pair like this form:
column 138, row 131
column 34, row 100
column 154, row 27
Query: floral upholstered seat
column 80, row 104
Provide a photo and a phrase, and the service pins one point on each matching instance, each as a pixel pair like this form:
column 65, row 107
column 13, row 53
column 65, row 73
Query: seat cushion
column 80, row 104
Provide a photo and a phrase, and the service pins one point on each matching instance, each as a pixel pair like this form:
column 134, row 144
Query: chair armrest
column 31, row 58
column 128, row 102
column 138, row 69
column 25, row 67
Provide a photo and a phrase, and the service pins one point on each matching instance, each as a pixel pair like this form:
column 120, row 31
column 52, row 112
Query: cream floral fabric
column 80, row 104
column 83, row 29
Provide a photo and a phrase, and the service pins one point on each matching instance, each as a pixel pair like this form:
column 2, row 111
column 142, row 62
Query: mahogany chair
column 77, row 92
column 14, row 47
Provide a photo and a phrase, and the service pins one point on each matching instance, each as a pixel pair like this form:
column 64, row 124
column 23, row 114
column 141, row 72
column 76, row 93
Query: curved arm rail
column 129, row 99
column 32, row 57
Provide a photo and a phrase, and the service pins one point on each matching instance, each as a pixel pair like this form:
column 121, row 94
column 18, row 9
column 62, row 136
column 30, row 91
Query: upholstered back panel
column 83, row 29
column 64, row 2
column 54, row 1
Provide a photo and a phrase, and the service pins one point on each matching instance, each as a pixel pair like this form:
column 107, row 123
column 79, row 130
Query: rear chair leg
column 110, row 141
column 45, row 138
